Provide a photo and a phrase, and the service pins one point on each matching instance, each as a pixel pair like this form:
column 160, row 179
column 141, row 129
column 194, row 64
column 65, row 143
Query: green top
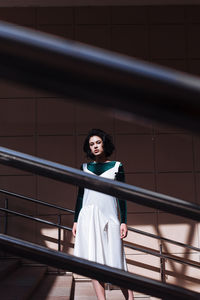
column 98, row 169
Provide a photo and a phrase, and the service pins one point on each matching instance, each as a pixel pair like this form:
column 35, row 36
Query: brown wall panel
column 146, row 181
column 130, row 39
column 22, row 185
column 174, row 152
column 126, row 126
column 194, row 66
column 166, row 15
column 12, row 90
column 192, row 14
column 17, row 117
column 47, row 235
column 92, row 15
column 179, row 185
column 54, row 15
column 197, row 181
column 92, row 117
column 136, row 152
column 22, row 16
column 167, row 41
column 25, row 144
column 145, row 222
column 128, row 15
column 144, row 265
column 55, row 117
column 57, row 148
column 55, row 192
column 178, row 229
column 96, row 35
column 183, row 275
column 193, row 40
column 64, row 31
column 22, row 229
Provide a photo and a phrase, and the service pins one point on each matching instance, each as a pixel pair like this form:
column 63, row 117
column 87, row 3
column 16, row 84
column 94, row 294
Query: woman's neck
column 101, row 159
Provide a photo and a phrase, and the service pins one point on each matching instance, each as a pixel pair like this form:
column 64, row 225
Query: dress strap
column 116, row 167
column 85, row 167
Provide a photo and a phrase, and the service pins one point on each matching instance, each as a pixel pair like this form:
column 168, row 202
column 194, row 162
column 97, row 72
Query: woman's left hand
column 123, row 231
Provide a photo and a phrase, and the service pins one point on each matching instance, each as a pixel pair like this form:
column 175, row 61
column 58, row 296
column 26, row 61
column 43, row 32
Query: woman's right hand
column 74, row 229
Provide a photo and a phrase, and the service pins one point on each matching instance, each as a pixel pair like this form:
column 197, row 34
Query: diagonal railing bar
column 94, row 270
column 111, row 187
column 36, row 201
column 92, row 75
column 158, row 237
column 34, row 219
column 163, row 255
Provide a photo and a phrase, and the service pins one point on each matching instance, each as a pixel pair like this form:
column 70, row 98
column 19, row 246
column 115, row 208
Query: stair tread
column 54, row 287
column 85, row 290
column 20, row 283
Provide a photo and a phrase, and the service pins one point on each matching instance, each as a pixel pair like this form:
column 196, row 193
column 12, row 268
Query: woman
column 96, row 226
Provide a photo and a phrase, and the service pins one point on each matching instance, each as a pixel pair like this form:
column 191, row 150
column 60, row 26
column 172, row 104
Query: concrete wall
column 161, row 159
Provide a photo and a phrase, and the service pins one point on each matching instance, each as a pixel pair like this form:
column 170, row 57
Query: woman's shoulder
column 119, row 163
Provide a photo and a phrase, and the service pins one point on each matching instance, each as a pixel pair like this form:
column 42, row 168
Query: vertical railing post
column 59, row 233
column 6, row 217
column 162, row 264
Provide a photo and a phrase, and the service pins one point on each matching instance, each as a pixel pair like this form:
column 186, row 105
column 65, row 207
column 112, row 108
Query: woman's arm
column 120, row 176
column 79, row 203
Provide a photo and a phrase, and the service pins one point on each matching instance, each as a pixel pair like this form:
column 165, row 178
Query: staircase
column 19, row 281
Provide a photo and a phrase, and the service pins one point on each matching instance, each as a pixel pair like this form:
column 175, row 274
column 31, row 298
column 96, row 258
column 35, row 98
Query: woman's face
column 96, row 145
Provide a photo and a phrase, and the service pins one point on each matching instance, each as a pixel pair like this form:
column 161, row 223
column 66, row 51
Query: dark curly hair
column 107, row 142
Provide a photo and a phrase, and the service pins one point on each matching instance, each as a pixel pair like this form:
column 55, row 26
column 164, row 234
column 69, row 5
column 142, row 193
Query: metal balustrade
column 59, row 226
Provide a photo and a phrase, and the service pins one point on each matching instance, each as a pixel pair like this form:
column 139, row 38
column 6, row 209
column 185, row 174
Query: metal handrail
column 72, row 211
column 99, row 77
column 111, row 187
column 94, row 270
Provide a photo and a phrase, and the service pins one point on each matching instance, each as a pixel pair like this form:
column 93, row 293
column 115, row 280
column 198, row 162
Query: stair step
column 84, row 290
column 54, row 287
column 20, row 284
column 7, row 266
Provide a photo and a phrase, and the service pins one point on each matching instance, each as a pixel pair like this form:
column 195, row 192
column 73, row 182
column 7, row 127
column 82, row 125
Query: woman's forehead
column 94, row 138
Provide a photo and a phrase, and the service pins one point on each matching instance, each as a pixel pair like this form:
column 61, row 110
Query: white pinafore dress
column 98, row 227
